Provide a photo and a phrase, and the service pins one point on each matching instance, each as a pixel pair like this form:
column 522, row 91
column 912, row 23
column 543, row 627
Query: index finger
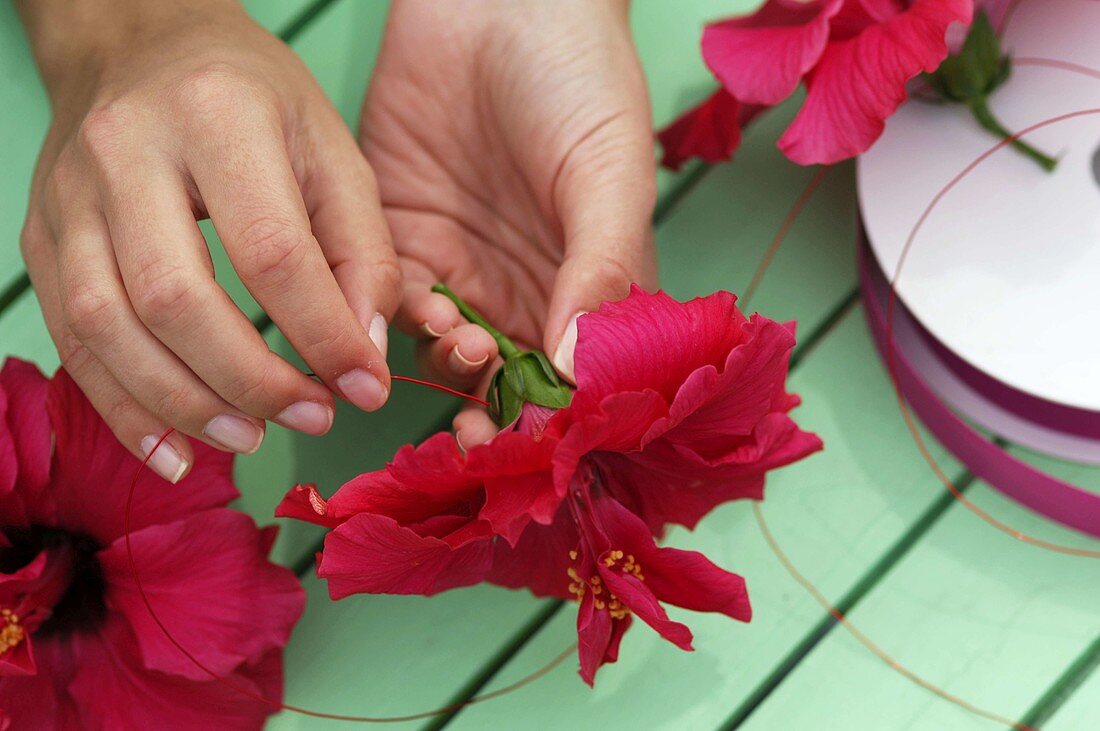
column 248, row 186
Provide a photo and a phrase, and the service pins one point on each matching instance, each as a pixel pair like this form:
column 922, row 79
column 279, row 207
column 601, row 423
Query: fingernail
column 458, row 441
column 166, row 461
column 379, row 333
column 363, row 389
column 460, row 363
column 235, row 433
column 563, row 356
column 427, row 328
column 306, row 416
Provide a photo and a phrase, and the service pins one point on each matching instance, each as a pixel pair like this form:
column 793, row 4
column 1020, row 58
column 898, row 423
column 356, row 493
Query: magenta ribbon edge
column 1067, row 504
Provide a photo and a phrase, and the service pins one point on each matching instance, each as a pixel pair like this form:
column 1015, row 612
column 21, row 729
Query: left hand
column 513, row 146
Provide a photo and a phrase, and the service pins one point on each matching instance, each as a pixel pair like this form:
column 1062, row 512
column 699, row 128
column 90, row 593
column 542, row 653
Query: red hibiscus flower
column 679, row 407
column 854, row 56
column 78, row 648
column 710, row 131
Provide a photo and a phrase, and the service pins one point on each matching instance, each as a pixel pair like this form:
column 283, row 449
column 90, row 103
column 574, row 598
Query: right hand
column 176, row 112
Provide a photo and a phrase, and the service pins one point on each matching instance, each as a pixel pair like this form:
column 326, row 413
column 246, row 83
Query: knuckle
column 272, row 251
column 390, row 279
column 215, row 90
column 104, row 130
column 89, row 310
column 174, row 405
column 163, row 293
column 63, row 178
column 250, row 391
column 31, row 238
column 332, row 343
column 74, row 357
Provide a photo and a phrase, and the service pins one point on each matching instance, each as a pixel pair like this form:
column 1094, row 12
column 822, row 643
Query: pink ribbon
column 1068, row 504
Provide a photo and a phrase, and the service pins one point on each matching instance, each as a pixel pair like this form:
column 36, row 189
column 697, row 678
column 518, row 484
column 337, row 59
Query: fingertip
column 434, row 314
column 473, row 427
column 469, row 349
column 363, row 389
column 379, row 333
column 563, row 351
column 170, row 458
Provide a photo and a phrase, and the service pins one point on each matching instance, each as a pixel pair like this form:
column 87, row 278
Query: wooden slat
column 991, row 619
column 1075, row 703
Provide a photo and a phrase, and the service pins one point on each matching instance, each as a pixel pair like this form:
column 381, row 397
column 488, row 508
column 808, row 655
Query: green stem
column 507, row 348
column 980, row 109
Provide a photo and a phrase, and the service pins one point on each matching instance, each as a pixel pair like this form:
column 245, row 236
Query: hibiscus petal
column 304, row 502
column 671, row 483
column 594, row 628
column 685, row 578
column 652, row 342
column 710, row 131
column 716, row 405
column 114, row 690
column 25, row 442
column 617, row 423
column 516, row 473
column 373, row 554
column 418, row 483
column 92, row 473
column 42, row 701
column 761, row 58
column 210, row 582
column 860, row 81
column 690, row 580
column 642, row 602
column 540, row 559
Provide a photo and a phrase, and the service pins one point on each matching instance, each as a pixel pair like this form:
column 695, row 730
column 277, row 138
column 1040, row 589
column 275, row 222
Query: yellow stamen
column 11, row 633
column 600, row 599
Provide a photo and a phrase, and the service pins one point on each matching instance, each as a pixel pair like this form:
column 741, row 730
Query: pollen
column 602, row 599
column 11, row 632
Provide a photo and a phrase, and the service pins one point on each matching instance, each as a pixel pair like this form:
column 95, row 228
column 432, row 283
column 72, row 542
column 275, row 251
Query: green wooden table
column 1004, row 625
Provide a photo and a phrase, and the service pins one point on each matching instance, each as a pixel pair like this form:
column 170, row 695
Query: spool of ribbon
column 930, row 377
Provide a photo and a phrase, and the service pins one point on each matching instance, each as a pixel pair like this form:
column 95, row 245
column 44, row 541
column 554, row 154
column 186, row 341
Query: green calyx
column 526, row 376
column 971, row 75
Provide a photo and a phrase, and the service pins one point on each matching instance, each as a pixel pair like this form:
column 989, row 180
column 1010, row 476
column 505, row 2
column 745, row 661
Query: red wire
column 444, row 389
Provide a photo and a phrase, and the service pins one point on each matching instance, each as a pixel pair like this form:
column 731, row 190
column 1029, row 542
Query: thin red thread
column 867, row 641
column 279, row 705
column 440, row 387
column 781, row 234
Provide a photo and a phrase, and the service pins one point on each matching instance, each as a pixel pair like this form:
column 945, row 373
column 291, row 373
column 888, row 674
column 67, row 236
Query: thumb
column 605, row 202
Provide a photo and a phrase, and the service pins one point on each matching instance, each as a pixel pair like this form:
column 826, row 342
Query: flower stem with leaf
column 971, row 75
column 526, row 376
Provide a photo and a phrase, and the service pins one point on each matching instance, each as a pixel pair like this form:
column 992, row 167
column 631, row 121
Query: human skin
column 514, row 150
column 163, row 114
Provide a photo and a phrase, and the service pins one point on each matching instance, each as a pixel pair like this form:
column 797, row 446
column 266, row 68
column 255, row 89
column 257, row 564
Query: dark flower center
column 82, row 605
